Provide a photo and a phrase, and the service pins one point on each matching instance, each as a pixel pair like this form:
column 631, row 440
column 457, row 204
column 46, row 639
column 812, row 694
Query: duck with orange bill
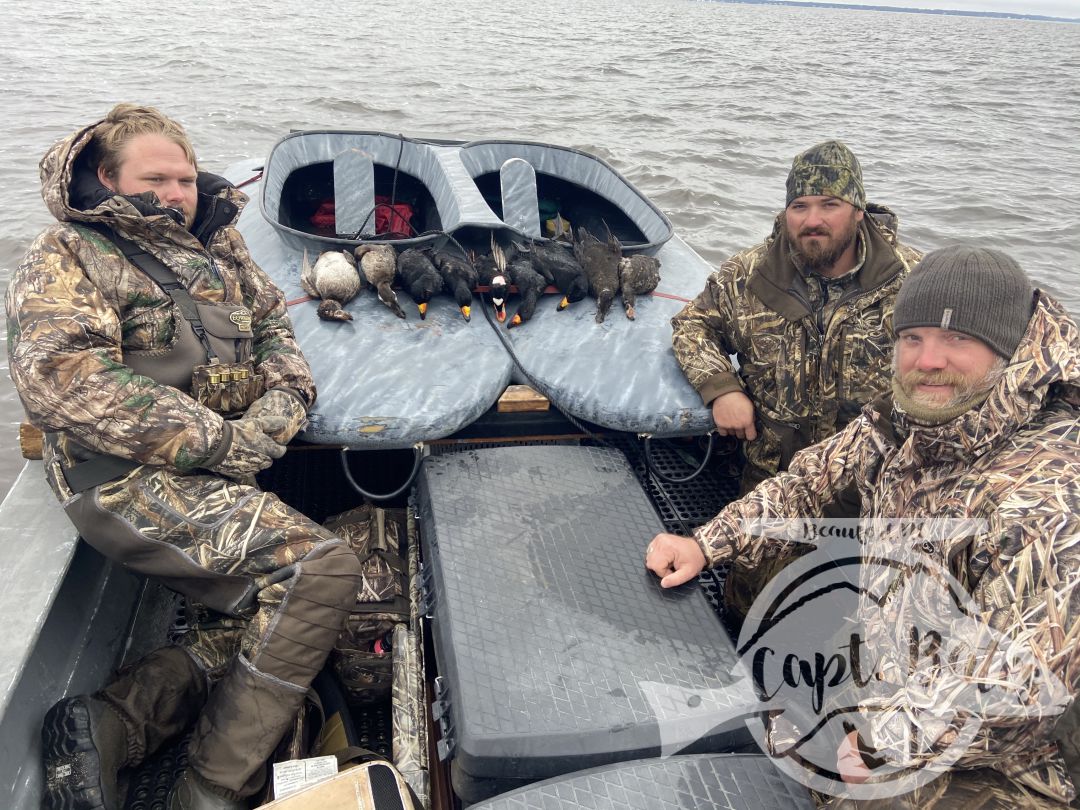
column 459, row 277
column 556, row 262
column 419, row 276
column 530, row 284
column 493, row 278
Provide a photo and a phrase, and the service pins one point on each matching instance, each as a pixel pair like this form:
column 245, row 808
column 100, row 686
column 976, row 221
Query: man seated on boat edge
column 808, row 315
column 151, row 471
column 983, row 422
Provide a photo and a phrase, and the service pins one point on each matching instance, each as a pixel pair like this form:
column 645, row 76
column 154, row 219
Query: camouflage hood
column 73, row 193
column 1011, row 467
column 775, row 276
column 80, row 315
column 1046, row 364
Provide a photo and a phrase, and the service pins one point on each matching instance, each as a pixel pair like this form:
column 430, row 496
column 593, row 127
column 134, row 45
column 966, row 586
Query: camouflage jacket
column 1010, row 468
column 807, row 376
column 76, row 304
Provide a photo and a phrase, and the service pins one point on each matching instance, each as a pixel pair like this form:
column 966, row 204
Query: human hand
column 674, row 559
column 282, row 404
column 251, row 446
column 849, row 762
column 733, row 414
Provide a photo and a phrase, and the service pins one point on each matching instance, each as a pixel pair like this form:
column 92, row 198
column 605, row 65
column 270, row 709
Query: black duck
column 419, row 276
column 459, row 277
column 601, row 263
column 557, row 264
column 529, row 283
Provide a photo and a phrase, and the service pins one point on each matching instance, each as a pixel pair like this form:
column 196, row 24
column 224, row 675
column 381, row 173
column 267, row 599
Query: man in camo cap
column 808, row 314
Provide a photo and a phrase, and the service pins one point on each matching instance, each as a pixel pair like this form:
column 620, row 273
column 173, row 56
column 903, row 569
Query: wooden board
column 518, row 398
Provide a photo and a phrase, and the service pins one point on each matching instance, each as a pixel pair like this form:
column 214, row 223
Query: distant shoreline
column 1007, row 15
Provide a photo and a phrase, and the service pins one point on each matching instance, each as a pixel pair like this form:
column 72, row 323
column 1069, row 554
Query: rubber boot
column 84, row 745
column 87, row 739
column 247, row 715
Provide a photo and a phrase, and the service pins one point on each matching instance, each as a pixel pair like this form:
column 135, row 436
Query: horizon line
column 1008, row 15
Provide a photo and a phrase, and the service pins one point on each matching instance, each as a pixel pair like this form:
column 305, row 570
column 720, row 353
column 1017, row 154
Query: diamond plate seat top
column 556, row 648
column 701, row 782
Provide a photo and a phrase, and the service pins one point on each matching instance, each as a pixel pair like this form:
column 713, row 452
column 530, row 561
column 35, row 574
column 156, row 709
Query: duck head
column 603, row 304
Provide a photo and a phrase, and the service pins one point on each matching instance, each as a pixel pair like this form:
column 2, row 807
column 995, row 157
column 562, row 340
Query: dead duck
column 334, row 279
column 459, row 277
column 601, row 263
column 529, row 283
column 494, row 279
column 378, row 264
column 556, row 262
column 419, row 276
column 638, row 275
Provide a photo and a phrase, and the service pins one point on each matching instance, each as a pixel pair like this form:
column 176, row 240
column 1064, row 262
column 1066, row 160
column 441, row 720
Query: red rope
column 250, row 180
column 670, row 296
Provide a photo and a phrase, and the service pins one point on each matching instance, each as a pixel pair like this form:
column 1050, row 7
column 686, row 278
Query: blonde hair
column 126, row 121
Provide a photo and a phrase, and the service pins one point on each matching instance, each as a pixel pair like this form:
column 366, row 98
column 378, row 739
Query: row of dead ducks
column 590, row 266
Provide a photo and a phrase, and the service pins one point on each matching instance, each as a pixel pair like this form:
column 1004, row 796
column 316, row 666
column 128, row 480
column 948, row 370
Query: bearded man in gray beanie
column 808, row 313
column 982, row 427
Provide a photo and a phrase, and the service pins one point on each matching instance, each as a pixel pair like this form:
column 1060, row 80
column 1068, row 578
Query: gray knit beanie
column 978, row 291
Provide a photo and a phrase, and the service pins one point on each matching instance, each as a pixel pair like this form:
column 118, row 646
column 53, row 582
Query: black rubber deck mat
column 703, row 782
column 149, row 785
column 547, row 627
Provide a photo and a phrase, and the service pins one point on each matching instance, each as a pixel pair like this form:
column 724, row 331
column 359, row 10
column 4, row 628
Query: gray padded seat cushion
column 701, row 782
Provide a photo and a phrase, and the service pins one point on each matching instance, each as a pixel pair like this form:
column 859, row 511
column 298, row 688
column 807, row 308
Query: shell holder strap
column 102, row 468
column 164, row 278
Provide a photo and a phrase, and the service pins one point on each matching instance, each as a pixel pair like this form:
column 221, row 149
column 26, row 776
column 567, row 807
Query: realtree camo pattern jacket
column 806, row 376
column 76, row 304
column 1011, row 469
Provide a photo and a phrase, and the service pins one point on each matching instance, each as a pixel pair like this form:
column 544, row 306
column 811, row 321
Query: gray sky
column 1050, row 8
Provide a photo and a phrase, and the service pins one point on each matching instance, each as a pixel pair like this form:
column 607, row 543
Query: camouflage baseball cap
column 829, row 170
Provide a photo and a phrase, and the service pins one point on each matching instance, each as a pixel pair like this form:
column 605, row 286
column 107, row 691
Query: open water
column 968, row 127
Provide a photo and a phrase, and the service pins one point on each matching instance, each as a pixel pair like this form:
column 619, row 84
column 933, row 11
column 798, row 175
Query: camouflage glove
column 251, row 447
column 285, row 405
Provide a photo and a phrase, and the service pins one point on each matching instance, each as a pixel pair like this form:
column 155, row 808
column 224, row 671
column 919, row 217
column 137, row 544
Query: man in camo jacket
column 808, row 314
column 102, row 356
column 981, row 429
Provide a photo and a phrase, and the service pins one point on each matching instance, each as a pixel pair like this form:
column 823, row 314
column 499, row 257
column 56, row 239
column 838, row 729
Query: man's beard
column 963, row 388
column 817, row 257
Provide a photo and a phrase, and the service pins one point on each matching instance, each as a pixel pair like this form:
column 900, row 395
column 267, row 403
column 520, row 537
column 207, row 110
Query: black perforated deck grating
column 149, row 786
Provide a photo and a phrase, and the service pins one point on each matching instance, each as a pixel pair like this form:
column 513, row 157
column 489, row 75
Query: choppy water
column 968, row 127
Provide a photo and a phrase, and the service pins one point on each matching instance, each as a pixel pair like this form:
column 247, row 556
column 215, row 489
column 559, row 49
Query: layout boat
column 385, row 382
column 533, row 632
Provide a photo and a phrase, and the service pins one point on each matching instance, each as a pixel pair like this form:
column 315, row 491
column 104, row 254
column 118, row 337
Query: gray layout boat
column 541, row 678
column 388, row 382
